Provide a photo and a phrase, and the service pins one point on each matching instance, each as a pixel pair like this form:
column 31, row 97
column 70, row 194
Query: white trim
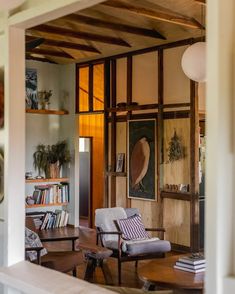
column 47, row 11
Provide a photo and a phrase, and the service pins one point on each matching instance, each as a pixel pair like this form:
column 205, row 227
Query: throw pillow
column 132, row 228
column 32, row 240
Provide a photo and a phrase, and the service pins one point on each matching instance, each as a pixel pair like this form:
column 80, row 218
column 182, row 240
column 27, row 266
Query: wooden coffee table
column 161, row 273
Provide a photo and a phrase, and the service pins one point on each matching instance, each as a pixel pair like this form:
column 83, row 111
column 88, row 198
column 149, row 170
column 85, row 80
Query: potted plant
column 51, row 158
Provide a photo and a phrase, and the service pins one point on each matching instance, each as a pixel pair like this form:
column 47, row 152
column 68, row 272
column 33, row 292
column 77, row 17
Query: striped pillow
column 133, row 228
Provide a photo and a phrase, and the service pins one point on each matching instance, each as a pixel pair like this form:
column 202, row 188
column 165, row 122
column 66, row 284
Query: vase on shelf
column 54, row 170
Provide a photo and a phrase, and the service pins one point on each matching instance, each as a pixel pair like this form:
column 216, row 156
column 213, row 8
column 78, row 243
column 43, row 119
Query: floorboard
column 129, row 273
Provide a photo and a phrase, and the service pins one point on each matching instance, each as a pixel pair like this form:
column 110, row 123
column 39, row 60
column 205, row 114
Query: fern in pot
column 51, row 158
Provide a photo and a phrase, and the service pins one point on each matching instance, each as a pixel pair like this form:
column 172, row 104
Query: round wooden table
column 160, row 272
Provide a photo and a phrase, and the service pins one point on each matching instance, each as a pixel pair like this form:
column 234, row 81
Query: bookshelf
column 47, row 111
column 48, row 193
column 28, row 181
column 45, row 205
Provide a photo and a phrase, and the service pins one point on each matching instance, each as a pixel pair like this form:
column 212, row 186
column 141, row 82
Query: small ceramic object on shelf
column 121, row 104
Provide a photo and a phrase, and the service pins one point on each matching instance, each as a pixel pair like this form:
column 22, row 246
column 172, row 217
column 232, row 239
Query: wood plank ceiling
column 115, row 27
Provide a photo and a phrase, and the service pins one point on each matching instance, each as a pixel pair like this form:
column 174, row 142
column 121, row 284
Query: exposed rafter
column 64, row 44
column 159, row 13
column 37, row 58
column 114, row 26
column 80, row 35
column 46, row 52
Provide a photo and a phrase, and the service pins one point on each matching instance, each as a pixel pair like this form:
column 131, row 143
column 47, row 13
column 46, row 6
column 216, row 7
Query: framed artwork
column 142, row 159
column 31, row 83
column 120, row 162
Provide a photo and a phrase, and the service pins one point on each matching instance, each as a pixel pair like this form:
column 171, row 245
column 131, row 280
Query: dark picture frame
column 120, row 162
column 142, row 177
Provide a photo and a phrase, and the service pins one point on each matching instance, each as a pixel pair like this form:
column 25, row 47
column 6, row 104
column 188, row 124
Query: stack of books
column 56, row 219
column 49, row 194
column 193, row 263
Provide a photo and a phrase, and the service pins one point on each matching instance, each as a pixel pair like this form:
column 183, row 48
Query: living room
column 159, row 211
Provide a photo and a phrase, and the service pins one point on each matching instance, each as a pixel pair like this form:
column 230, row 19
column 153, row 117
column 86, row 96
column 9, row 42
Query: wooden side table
column 96, row 256
column 161, row 273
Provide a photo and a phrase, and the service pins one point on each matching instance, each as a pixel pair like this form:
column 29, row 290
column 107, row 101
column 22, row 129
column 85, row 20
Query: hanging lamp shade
column 194, row 62
column 10, row 4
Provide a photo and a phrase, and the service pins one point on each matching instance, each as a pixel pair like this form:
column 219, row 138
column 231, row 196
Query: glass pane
column 84, row 89
column 98, row 87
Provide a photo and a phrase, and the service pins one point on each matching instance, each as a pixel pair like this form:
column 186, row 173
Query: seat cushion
column 132, row 228
column 153, row 245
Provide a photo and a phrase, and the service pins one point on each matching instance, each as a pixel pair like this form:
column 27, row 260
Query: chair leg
column 75, row 272
column 136, row 263
column 119, row 272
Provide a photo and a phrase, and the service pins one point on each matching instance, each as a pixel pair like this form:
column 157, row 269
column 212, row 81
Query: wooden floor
column 129, row 273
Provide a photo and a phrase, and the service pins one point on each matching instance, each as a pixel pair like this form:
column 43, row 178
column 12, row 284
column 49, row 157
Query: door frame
column 90, row 198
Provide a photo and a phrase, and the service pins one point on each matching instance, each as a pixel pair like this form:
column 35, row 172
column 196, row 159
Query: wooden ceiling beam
column 50, row 53
column 114, row 26
column 37, row 58
column 64, row 44
column 80, row 35
column 160, row 13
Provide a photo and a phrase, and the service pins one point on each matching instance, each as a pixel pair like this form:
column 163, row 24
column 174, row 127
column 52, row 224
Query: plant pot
column 54, row 170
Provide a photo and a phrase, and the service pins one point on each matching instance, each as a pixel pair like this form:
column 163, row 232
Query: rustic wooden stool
column 96, row 256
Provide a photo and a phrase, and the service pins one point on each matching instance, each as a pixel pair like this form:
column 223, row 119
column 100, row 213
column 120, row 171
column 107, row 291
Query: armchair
column 109, row 234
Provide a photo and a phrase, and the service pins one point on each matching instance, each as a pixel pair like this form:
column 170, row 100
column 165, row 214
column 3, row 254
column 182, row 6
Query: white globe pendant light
column 194, row 62
column 10, row 4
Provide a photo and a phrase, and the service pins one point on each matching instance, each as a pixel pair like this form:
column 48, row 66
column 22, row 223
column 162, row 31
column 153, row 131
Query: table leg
column 106, row 272
column 90, row 269
column 148, row 286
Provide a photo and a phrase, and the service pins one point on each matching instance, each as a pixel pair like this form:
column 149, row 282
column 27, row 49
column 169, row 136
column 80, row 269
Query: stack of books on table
column 193, row 264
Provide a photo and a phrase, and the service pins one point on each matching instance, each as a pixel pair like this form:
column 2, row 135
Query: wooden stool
column 96, row 256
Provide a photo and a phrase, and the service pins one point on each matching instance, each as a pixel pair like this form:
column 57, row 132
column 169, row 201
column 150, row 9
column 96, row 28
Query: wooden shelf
column 116, row 174
column 45, row 205
column 45, row 111
column 47, row 180
column 176, row 195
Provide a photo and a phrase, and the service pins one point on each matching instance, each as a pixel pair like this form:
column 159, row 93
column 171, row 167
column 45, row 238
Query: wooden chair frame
column 122, row 256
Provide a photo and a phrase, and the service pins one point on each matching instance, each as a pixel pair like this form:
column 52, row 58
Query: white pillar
column 14, row 202
column 220, row 177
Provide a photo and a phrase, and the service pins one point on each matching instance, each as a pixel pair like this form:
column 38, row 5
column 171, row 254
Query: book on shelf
column 195, row 271
column 51, row 193
column 56, row 219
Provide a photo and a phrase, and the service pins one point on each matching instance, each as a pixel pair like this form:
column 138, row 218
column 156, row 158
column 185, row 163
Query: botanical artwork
column 141, row 159
column 176, row 150
column 31, row 89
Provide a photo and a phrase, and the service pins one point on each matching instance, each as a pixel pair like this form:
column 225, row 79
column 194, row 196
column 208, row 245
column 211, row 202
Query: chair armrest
column 110, row 233
column 156, row 229
column 118, row 233
column 38, row 250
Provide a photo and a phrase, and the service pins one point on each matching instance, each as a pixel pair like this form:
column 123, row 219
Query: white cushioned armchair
column 108, row 222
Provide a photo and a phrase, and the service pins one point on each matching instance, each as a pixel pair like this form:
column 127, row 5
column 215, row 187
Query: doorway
column 85, row 180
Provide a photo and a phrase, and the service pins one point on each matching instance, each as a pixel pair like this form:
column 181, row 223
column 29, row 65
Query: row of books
column 52, row 220
column 49, row 194
column 193, row 263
